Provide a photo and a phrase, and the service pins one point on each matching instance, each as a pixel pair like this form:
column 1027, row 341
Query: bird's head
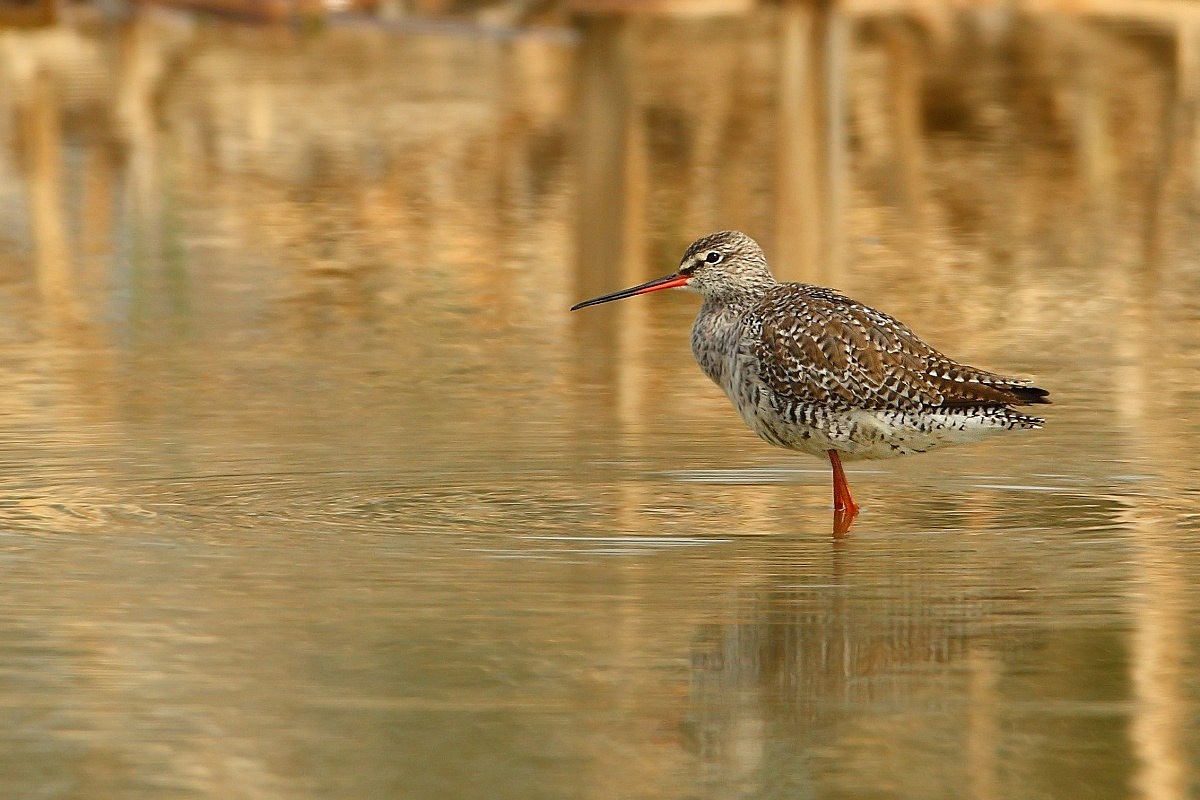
column 726, row 264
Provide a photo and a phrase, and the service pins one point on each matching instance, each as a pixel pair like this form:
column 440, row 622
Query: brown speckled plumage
column 814, row 345
column 812, row 370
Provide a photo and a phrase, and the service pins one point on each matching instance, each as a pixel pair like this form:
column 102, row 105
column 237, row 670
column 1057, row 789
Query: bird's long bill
column 669, row 282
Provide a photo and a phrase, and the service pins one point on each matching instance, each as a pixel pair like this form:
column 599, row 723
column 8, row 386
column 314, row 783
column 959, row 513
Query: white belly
column 862, row 434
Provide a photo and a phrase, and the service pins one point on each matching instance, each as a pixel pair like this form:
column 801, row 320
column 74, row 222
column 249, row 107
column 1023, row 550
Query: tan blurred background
column 313, row 487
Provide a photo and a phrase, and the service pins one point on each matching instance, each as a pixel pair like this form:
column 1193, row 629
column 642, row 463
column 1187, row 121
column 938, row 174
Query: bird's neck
column 719, row 325
column 739, row 297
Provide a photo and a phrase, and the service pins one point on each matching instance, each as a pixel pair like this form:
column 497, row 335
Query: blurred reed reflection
column 306, row 462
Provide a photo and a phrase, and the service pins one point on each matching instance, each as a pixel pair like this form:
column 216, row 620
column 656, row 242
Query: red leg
column 842, row 501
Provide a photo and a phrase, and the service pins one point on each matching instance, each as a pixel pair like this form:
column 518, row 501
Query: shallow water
column 314, row 488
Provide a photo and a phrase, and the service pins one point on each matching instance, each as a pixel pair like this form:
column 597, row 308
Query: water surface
column 314, row 488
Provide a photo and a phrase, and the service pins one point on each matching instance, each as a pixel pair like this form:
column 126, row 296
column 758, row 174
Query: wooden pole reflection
column 904, row 94
column 810, row 149
column 1160, row 723
column 1158, row 643
column 1093, row 132
column 609, row 211
column 42, row 132
column 609, row 216
column 1158, row 190
column 1187, row 82
column 983, row 724
column 139, row 63
column 798, row 209
column 1158, row 649
column 835, row 68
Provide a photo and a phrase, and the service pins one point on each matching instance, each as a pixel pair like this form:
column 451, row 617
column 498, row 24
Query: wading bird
column 809, row 369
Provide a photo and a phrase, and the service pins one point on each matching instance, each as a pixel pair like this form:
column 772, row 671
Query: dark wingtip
column 1030, row 394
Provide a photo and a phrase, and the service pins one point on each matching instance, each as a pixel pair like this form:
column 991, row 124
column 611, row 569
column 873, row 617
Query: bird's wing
column 815, row 345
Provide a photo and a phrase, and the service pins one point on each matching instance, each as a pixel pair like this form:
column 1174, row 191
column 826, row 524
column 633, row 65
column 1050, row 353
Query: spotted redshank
column 810, row 369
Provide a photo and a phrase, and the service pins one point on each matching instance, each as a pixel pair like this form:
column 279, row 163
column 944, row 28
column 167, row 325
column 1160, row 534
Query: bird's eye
column 713, row 257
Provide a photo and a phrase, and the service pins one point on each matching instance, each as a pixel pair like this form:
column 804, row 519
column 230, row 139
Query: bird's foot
column 843, row 518
column 844, row 507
